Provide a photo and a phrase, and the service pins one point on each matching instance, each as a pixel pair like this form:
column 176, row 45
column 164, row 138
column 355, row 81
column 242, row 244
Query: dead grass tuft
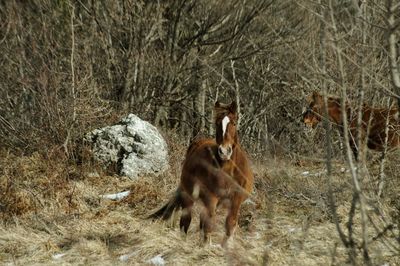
column 14, row 201
column 144, row 196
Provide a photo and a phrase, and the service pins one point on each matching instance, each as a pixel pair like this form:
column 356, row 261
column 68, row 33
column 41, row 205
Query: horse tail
column 167, row 209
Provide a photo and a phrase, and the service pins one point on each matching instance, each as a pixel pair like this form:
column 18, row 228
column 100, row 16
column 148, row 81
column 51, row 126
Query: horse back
column 199, row 146
column 374, row 122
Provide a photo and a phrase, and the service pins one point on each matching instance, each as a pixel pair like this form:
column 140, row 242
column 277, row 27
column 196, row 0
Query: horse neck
column 237, row 147
column 236, row 139
column 335, row 111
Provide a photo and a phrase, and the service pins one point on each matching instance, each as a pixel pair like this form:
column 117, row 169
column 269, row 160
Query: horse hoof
column 226, row 243
column 204, row 240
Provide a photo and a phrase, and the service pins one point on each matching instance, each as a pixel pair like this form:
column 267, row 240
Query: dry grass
column 52, row 213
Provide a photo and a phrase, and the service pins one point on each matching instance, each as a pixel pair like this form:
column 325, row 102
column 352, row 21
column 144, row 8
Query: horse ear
column 316, row 97
column 233, row 107
column 217, row 104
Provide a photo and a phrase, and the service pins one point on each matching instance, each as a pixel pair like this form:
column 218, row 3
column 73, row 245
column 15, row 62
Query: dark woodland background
column 70, row 66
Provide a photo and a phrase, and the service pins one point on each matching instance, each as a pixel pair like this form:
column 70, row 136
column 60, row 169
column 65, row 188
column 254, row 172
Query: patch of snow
column 126, row 257
column 215, row 245
column 347, row 170
column 317, row 174
column 93, row 174
column 58, row 256
column 116, row 196
column 157, row 260
column 249, row 201
column 256, row 235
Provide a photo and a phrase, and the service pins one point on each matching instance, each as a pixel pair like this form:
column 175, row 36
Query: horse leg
column 186, row 217
column 208, row 214
column 232, row 218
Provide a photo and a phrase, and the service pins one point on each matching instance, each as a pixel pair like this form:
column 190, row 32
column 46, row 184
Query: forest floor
column 53, row 213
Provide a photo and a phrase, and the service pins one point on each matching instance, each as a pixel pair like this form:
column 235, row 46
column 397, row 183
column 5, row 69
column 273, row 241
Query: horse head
column 312, row 114
column 226, row 117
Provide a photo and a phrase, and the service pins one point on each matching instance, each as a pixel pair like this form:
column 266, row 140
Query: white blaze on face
column 225, row 122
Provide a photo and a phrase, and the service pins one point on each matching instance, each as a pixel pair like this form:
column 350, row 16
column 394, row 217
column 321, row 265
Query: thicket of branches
column 71, row 66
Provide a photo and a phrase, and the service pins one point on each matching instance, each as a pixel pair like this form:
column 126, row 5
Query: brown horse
column 373, row 122
column 213, row 171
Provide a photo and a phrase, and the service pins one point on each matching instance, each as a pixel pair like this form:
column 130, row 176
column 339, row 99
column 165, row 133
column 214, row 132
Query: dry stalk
column 327, row 125
column 328, row 129
column 73, row 93
column 361, row 159
column 381, row 182
column 392, row 10
column 357, row 191
column 237, row 89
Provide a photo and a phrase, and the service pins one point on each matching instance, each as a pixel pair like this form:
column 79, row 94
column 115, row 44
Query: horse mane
column 334, row 99
column 350, row 106
column 223, row 110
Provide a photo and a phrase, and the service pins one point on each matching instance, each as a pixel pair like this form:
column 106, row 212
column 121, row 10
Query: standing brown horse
column 213, row 171
column 373, row 122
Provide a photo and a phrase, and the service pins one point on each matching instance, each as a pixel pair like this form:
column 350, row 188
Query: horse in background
column 214, row 171
column 373, row 122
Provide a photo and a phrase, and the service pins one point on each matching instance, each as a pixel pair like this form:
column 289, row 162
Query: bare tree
column 393, row 9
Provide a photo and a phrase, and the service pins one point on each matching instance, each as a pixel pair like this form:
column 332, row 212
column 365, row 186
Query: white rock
column 134, row 145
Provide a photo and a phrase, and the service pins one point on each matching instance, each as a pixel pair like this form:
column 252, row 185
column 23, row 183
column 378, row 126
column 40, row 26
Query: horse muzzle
column 225, row 153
